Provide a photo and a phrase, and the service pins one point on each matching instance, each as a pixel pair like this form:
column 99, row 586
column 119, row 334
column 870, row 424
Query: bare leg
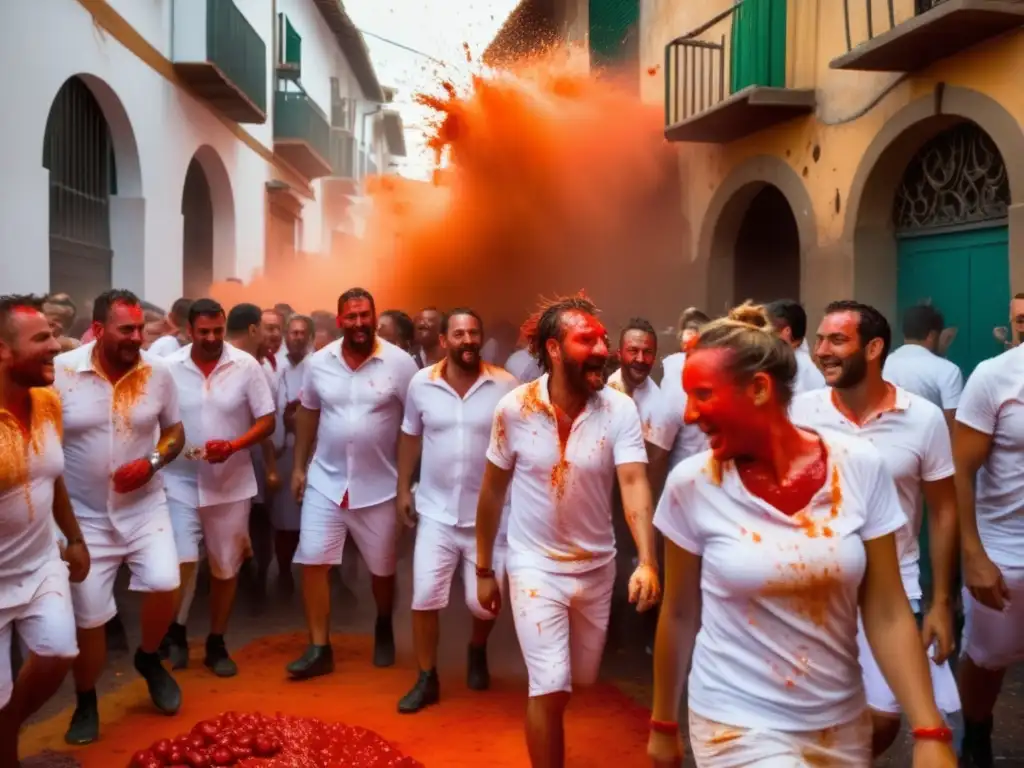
column 425, row 631
column 545, row 730
column 37, row 682
column 316, row 598
column 979, row 690
column 222, row 598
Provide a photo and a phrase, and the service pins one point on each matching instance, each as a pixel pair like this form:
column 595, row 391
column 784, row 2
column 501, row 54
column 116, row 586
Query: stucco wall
column 855, row 114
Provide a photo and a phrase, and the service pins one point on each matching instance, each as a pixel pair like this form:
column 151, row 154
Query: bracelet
column 484, row 573
column 156, row 461
column 76, row 540
column 665, row 727
column 936, row 733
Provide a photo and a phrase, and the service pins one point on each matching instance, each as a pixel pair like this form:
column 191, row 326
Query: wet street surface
column 627, row 662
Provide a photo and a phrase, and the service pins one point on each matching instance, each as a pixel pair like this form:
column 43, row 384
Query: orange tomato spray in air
column 549, row 177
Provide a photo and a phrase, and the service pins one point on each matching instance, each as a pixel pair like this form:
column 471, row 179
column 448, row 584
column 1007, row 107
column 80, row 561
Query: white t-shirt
column 993, row 403
column 360, row 415
column 289, row 385
column 808, row 377
column 658, row 424
column 523, row 366
column 164, row 346
column 456, row 432
column 28, row 534
column 107, row 426
column 561, row 500
column 689, row 439
column 777, row 645
column 223, row 406
column 914, row 441
column 924, row 373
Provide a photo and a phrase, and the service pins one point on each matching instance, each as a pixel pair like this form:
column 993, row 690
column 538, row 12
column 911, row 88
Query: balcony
column 727, row 79
column 302, row 135
column 343, row 154
column 222, row 59
column 915, row 33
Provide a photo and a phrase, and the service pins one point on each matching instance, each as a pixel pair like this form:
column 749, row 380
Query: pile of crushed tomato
column 253, row 740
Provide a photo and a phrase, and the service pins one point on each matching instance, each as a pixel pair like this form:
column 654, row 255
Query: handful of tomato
column 253, row 740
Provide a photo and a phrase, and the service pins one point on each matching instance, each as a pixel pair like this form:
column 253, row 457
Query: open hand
column 488, row 594
column 937, row 630
column 77, row 557
column 298, row 483
column 665, row 750
column 404, row 507
column 984, row 581
column 644, row 589
column 132, row 476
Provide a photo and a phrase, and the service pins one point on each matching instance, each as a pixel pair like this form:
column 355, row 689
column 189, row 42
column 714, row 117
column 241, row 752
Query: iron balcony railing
column 297, row 117
column 237, row 49
column 695, row 68
column 866, row 19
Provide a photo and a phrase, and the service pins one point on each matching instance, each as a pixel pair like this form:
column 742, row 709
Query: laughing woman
column 774, row 539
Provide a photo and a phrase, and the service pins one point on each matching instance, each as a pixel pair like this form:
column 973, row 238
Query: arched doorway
column 78, row 152
column 197, row 240
column 950, row 220
column 767, row 252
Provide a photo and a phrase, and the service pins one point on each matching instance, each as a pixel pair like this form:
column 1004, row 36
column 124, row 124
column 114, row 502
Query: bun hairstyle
column 747, row 331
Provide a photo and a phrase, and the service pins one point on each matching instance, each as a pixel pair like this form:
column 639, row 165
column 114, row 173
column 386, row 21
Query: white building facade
column 159, row 145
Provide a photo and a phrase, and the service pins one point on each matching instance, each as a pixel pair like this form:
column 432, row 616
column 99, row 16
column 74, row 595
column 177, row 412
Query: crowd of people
column 773, row 485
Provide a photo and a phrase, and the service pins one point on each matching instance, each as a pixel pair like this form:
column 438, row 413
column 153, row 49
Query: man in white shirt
column 851, row 344
column 988, row 446
column 35, row 598
column 353, row 395
column 448, row 414
column 284, row 509
column 790, row 321
column 428, row 337
column 690, row 322
column 121, row 426
column 395, row 326
column 523, row 365
column 560, row 442
column 227, row 409
column 918, row 366
column 178, row 335
column 689, row 439
column 272, row 325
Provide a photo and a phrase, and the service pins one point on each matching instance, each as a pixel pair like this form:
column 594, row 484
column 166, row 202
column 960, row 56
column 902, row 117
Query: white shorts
column 325, row 526
column 439, row 548
column 994, row 639
column 223, row 528
column 149, row 551
column 562, row 623
column 45, row 624
column 715, row 745
column 879, row 694
column 284, row 509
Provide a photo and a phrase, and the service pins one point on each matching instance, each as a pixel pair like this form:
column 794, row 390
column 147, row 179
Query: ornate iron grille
column 78, row 153
column 956, row 178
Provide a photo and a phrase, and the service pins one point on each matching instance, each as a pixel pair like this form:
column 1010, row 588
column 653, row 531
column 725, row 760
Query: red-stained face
column 734, row 416
column 358, row 323
column 637, row 351
column 28, row 347
column 273, row 332
column 583, row 351
column 120, row 338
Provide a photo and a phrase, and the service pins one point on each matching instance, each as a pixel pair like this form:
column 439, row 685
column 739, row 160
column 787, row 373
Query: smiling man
column 351, row 404
column 560, row 442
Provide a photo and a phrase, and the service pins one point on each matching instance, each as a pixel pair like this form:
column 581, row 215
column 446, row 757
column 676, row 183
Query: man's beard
column 458, row 357
column 360, row 345
column 29, row 373
column 576, row 373
column 637, row 374
column 854, row 370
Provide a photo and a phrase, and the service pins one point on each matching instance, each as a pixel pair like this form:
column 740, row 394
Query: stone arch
column 95, row 218
column 208, row 211
column 725, row 217
column 869, row 233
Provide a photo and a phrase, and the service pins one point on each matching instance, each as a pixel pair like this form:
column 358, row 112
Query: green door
column 759, row 44
column 611, row 22
column 966, row 275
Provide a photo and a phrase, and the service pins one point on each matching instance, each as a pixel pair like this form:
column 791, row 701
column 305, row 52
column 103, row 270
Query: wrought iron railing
column 297, row 117
column 695, row 68
column 237, row 49
column 866, row 19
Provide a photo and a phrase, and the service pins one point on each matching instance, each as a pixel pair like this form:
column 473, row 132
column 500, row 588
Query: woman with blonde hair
column 774, row 539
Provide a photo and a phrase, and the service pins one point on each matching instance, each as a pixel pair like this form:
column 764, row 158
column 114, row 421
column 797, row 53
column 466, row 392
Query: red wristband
column 661, row 726
column 937, row 733
column 484, row 573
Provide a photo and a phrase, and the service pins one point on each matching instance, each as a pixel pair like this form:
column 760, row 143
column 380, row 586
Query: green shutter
column 759, row 44
column 610, row 24
column 291, row 43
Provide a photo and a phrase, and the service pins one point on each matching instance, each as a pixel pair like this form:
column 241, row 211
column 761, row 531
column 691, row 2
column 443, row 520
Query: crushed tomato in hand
column 254, row 740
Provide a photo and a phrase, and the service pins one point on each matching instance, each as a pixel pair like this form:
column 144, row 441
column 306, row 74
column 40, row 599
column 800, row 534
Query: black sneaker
column 316, row 660
column 383, row 643
column 174, row 646
column 427, row 691
column 478, row 677
column 217, row 659
column 163, row 689
column 977, row 746
column 85, row 722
